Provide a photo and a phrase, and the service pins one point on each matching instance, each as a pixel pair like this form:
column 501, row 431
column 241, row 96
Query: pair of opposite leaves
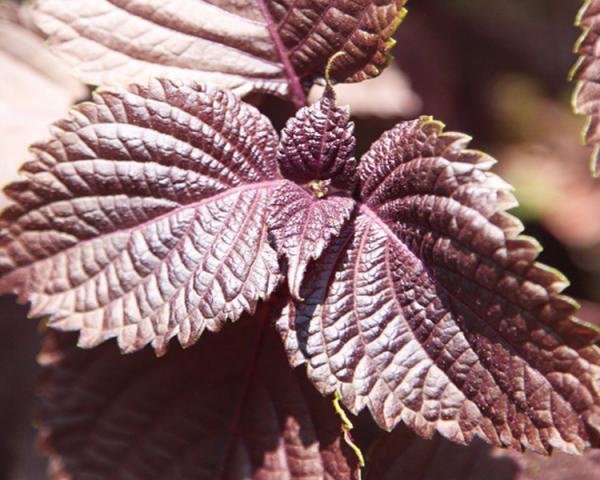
column 168, row 209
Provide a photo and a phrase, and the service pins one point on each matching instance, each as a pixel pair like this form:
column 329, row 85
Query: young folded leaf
column 303, row 225
column 317, row 151
column 586, row 98
column 229, row 407
column 253, row 45
column 144, row 216
column 318, row 145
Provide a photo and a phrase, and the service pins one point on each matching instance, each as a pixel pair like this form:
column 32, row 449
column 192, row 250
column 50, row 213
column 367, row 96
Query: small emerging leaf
column 317, row 144
column 316, row 151
column 230, row 407
column 430, row 309
column 302, row 226
column 144, row 216
column 263, row 45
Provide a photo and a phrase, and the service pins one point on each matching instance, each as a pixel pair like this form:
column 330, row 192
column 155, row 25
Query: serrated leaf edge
column 594, row 161
column 47, row 320
column 389, row 45
column 561, row 282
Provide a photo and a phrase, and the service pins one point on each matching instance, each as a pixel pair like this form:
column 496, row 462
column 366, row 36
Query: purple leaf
column 430, row 309
column 144, row 216
column 229, row 407
column 272, row 46
column 149, row 212
column 302, row 226
column 317, row 146
column 586, row 98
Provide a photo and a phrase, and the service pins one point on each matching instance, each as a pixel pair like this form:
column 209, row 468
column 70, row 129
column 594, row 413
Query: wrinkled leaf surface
column 229, row 408
column 144, row 216
column 430, row 309
column 275, row 46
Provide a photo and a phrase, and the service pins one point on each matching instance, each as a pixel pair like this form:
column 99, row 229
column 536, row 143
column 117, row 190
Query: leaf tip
column 537, row 247
column 161, row 345
column 429, row 120
column 329, row 91
column 294, row 289
column 581, row 13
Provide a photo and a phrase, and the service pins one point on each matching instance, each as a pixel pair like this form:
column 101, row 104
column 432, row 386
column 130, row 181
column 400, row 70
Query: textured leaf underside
column 586, row 98
column 429, row 308
column 273, row 46
column 230, row 408
column 144, row 216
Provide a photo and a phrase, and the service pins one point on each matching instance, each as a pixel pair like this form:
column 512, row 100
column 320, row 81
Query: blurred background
column 495, row 70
